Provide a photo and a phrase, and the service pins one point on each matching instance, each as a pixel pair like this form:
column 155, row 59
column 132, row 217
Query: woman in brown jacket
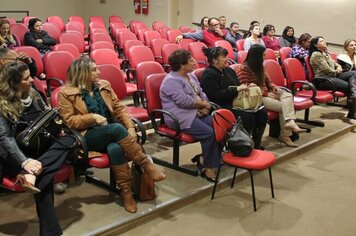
column 90, row 106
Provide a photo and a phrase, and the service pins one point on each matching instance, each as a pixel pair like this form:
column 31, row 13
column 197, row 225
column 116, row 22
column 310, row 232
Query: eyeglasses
column 215, row 24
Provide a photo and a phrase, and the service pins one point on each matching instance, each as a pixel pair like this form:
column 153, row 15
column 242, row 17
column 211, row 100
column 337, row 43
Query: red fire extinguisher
column 137, row 5
column 145, row 7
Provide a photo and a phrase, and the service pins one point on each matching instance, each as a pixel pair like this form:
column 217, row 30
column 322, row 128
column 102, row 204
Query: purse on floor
column 35, row 139
column 238, row 140
column 248, row 99
column 143, row 186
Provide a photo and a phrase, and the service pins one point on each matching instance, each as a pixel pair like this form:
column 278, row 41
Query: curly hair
column 79, row 72
column 11, row 75
column 178, row 58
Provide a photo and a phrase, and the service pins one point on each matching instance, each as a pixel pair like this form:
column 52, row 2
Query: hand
column 252, row 85
column 339, row 70
column 179, row 39
column 4, row 45
column 100, row 120
column 132, row 133
column 207, row 105
column 277, row 90
column 273, row 95
column 39, row 40
column 24, row 57
column 242, row 87
column 33, row 167
column 219, row 31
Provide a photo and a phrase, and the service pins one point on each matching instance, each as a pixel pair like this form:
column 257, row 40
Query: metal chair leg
column 271, row 181
column 216, row 183
column 253, row 190
column 233, row 179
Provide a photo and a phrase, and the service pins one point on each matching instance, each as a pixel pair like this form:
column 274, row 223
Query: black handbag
column 35, row 139
column 238, row 140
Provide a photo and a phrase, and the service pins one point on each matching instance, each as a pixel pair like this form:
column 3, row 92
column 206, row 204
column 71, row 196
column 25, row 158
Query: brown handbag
column 143, row 186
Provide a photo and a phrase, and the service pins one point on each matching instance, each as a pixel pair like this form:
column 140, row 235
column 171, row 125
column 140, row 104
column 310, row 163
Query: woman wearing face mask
column 37, row 37
column 221, row 85
column 7, row 39
column 254, row 37
column 287, row 39
column 325, row 67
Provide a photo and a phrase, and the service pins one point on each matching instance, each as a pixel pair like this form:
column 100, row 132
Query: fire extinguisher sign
column 145, row 7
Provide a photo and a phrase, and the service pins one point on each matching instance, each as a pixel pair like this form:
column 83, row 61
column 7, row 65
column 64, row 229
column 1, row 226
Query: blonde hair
column 79, row 72
column 8, row 35
column 11, row 75
column 347, row 42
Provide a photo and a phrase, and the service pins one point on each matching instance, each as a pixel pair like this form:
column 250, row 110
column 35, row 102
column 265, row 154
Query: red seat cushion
column 258, row 160
column 336, row 93
column 272, row 115
column 302, row 103
column 184, row 137
column 138, row 113
column 99, row 162
column 322, row 96
column 63, row 173
column 131, row 88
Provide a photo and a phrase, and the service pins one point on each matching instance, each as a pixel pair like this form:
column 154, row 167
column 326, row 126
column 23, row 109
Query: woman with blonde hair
column 89, row 105
column 7, row 39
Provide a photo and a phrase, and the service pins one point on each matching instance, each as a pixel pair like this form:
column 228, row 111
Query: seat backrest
column 67, row 47
column 270, row 54
column 156, row 47
column 199, row 73
column 55, row 97
column 139, row 54
column 240, row 45
column 294, row 70
column 115, row 18
column 138, row 25
column 56, row 20
column 185, row 29
column 97, row 31
column 97, row 19
column 241, row 56
column 236, row 67
column 284, row 53
column 19, row 30
column 225, row 44
column 26, row 19
column 121, row 37
column 105, row 56
column 152, row 87
column 223, row 121
column 130, row 43
column 309, row 68
column 275, row 72
column 74, row 25
column 11, row 20
column 117, row 25
column 157, row 24
column 184, row 44
column 102, row 44
column 149, row 36
column 56, row 64
column 333, row 56
column 197, row 53
column 77, row 19
column 35, row 55
column 172, row 35
column 140, row 34
column 167, row 50
column 144, row 69
column 96, row 25
column 52, row 30
column 70, row 37
column 163, row 31
column 112, row 73
column 100, row 37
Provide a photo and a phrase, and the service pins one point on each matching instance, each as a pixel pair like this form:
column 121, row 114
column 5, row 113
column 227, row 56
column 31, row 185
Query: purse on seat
column 248, row 99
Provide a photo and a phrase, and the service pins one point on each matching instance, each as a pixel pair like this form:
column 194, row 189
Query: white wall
column 335, row 20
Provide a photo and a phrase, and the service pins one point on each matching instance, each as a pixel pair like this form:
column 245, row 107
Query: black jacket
column 216, row 84
column 30, row 40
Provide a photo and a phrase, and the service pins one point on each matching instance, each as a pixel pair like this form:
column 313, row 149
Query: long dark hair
column 313, row 43
column 32, row 22
column 202, row 22
column 290, row 39
column 254, row 61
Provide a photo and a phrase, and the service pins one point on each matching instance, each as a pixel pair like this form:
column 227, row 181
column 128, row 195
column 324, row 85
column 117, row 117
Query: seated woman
column 221, row 85
column 325, row 67
column 7, row 39
column 182, row 96
column 288, row 39
column 90, row 106
column 37, row 37
column 274, row 98
column 254, row 37
column 270, row 40
column 300, row 50
column 19, row 102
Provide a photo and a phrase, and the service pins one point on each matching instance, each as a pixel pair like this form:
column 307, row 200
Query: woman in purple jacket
column 182, row 95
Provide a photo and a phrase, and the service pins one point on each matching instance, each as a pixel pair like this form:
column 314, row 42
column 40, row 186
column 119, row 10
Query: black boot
column 257, row 135
column 352, row 109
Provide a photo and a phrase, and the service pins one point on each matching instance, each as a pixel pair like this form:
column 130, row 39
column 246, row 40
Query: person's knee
column 117, row 130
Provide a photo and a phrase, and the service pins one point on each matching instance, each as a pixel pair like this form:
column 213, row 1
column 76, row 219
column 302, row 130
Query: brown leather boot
column 135, row 153
column 123, row 178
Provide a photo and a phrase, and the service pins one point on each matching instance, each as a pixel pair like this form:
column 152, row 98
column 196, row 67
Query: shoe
column 209, row 174
column 294, row 127
column 59, row 188
column 199, row 160
column 27, row 186
column 287, row 141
